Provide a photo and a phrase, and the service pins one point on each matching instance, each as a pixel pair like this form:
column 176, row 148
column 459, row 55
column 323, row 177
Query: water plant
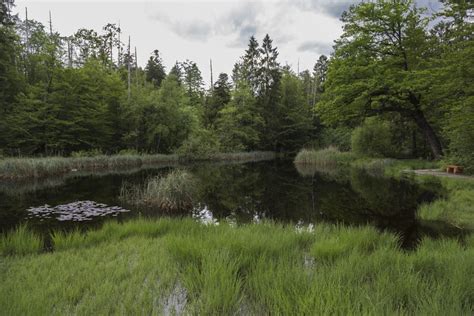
column 328, row 157
column 172, row 192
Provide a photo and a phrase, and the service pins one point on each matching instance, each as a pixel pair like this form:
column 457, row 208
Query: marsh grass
column 243, row 156
column 22, row 168
column 135, row 267
column 20, row 242
column 328, row 157
column 172, row 192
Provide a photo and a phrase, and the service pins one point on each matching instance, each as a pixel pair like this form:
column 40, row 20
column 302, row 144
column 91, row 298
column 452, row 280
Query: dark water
column 241, row 193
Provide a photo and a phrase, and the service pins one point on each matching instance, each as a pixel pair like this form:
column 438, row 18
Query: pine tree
column 155, row 70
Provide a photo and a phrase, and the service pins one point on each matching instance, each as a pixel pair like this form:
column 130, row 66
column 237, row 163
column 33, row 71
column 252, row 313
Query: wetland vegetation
column 154, row 267
column 137, row 190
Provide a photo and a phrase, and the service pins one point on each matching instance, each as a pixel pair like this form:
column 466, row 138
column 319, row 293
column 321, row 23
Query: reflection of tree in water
column 386, row 196
column 242, row 191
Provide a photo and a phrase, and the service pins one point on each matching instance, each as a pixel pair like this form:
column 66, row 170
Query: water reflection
column 245, row 193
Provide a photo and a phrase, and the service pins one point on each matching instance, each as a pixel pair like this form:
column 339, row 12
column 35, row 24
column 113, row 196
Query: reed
column 173, row 192
column 328, row 157
column 180, row 266
column 24, row 168
column 20, row 242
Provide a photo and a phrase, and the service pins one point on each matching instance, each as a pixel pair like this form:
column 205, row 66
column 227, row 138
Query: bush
column 200, row 144
column 339, row 137
column 372, row 139
column 460, row 132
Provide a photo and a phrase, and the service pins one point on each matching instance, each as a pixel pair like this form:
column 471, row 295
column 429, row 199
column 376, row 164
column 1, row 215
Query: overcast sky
column 200, row 30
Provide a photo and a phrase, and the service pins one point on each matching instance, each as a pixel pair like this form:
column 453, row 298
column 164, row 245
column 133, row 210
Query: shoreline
column 12, row 169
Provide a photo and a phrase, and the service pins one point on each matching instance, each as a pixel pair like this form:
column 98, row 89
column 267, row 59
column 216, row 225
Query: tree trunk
column 430, row 134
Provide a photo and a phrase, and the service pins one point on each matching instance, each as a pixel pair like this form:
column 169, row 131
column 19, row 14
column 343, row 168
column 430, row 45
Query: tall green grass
column 457, row 208
column 172, row 192
column 149, row 267
column 328, row 157
column 18, row 168
column 21, row 168
column 20, row 242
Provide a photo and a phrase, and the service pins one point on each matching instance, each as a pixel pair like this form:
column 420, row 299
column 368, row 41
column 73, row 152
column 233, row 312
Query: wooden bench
column 454, row 169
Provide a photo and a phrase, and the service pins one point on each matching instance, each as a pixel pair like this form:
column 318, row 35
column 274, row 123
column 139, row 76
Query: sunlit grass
column 149, row 267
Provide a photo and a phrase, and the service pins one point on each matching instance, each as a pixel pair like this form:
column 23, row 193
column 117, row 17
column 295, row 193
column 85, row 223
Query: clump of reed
column 328, row 157
column 244, row 156
column 23, row 168
column 21, row 241
column 250, row 269
column 173, row 192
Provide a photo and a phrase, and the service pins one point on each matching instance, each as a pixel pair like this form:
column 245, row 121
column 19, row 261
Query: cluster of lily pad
column 76, row 211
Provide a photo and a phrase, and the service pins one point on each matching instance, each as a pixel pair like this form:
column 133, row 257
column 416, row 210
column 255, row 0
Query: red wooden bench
column 454, row 169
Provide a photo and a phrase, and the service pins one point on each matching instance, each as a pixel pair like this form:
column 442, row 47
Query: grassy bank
column 21, row 168
column 155, row 267
column 456, row 208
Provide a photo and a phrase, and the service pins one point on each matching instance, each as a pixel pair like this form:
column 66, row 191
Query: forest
column 399, row 83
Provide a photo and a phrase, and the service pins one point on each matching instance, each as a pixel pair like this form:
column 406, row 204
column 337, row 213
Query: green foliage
column 154, row 70
column 201, row 144
column 219, row 97
column 380, row 67
column 372, row 139
column 460, row 131
column 339, row 137
column 239, row 122
column 295, row 116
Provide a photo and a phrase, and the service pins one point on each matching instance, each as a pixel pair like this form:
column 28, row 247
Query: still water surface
column 240, row 193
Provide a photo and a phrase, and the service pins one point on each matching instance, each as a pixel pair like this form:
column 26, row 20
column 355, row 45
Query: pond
column 238, row 193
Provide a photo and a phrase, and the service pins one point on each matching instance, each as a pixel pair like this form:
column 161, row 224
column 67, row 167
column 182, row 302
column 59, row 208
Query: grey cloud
column 337, row 7
column 241, row 22
column 316, row 47
column 194, row 30
column 328, row 7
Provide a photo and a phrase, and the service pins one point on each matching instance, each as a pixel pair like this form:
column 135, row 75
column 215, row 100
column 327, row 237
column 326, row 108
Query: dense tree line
column 411, row 71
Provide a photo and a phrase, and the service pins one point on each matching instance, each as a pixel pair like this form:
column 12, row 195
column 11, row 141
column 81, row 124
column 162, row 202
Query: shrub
column 339, row 137
column 200, row 144
column 460, row 132
column 372, row 139
column 173, row 192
